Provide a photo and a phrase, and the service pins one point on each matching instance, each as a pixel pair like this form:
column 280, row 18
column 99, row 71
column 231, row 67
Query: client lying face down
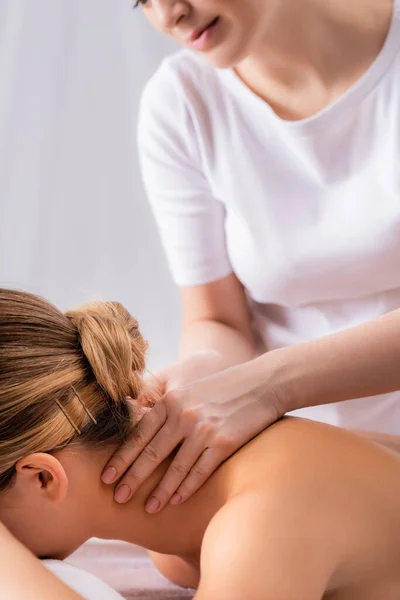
column 66, row 383
column 303, row 510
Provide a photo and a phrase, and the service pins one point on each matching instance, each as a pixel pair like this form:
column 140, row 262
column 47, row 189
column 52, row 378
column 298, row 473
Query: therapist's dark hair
column 65, row 377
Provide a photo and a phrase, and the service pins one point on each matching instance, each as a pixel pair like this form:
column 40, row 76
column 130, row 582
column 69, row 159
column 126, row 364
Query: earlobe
column 45, row 473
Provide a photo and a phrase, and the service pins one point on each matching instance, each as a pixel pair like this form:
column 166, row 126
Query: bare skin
column 302, row 498
column 330, row 520
column 41, row 583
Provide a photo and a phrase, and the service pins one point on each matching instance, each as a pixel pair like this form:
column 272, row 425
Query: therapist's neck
column 325, row 39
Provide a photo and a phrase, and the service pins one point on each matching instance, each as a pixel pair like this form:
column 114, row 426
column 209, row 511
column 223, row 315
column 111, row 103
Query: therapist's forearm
column 359, row 362
column 232, row 345
column 23, row 576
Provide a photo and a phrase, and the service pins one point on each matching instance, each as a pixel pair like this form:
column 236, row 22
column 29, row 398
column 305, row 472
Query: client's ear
column 43, row 474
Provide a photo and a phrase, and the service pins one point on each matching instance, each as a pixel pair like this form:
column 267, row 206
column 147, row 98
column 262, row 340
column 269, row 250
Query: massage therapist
column 270, row 151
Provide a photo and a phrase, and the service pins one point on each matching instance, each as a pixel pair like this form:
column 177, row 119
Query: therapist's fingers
column 186, row 457
column 157, row 450
column 208, row 462
column 143, row 433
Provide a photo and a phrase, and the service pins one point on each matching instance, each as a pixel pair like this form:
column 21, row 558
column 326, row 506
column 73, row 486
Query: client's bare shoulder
column 302, row 451
column 301, row 498
column 334, row 473
column 305, row 498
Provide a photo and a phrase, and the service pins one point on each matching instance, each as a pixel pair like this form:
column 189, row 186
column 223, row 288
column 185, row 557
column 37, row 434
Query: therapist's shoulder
column 180, row 79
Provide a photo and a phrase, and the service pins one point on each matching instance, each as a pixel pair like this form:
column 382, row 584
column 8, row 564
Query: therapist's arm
column 216, row 317
column 355, row 363
column 23, row 576
column 216, row 334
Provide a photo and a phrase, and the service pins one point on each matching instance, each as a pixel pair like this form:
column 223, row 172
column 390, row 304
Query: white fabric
column 306, row 213
column 86, row 584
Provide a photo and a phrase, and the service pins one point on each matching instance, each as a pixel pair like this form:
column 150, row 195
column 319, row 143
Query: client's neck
column 175, row 530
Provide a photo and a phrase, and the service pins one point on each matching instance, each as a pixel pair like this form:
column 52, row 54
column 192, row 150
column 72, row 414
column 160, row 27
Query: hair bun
column 113, row 346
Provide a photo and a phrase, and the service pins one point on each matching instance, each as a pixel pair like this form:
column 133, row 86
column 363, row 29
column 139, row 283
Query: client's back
column 311, row 501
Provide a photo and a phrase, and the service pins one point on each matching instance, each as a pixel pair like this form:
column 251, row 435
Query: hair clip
column 85, row 408
column 78, row 431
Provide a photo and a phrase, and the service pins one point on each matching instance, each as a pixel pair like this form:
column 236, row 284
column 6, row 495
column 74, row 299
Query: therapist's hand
column 211, row 418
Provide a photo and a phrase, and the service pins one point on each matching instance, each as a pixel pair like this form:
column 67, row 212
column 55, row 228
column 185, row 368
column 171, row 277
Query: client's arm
column 265, row 550
column 23, row 576
column 176, row 569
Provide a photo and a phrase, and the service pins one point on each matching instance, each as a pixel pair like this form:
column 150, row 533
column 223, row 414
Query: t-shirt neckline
column 353, row 95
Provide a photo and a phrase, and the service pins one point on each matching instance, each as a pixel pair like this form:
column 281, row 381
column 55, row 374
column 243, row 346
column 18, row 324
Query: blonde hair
column 64, row 377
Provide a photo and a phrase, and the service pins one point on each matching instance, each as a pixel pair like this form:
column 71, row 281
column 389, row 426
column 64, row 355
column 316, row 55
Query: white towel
column 86, row 584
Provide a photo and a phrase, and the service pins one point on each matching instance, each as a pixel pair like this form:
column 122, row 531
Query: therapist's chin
column 224, row 58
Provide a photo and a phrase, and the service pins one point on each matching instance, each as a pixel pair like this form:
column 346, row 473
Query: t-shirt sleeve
column 189, row 218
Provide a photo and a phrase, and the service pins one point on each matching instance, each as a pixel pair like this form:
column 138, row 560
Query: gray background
column 74, row 222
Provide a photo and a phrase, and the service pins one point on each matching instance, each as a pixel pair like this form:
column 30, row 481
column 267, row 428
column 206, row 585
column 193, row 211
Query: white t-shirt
column 306, row 213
